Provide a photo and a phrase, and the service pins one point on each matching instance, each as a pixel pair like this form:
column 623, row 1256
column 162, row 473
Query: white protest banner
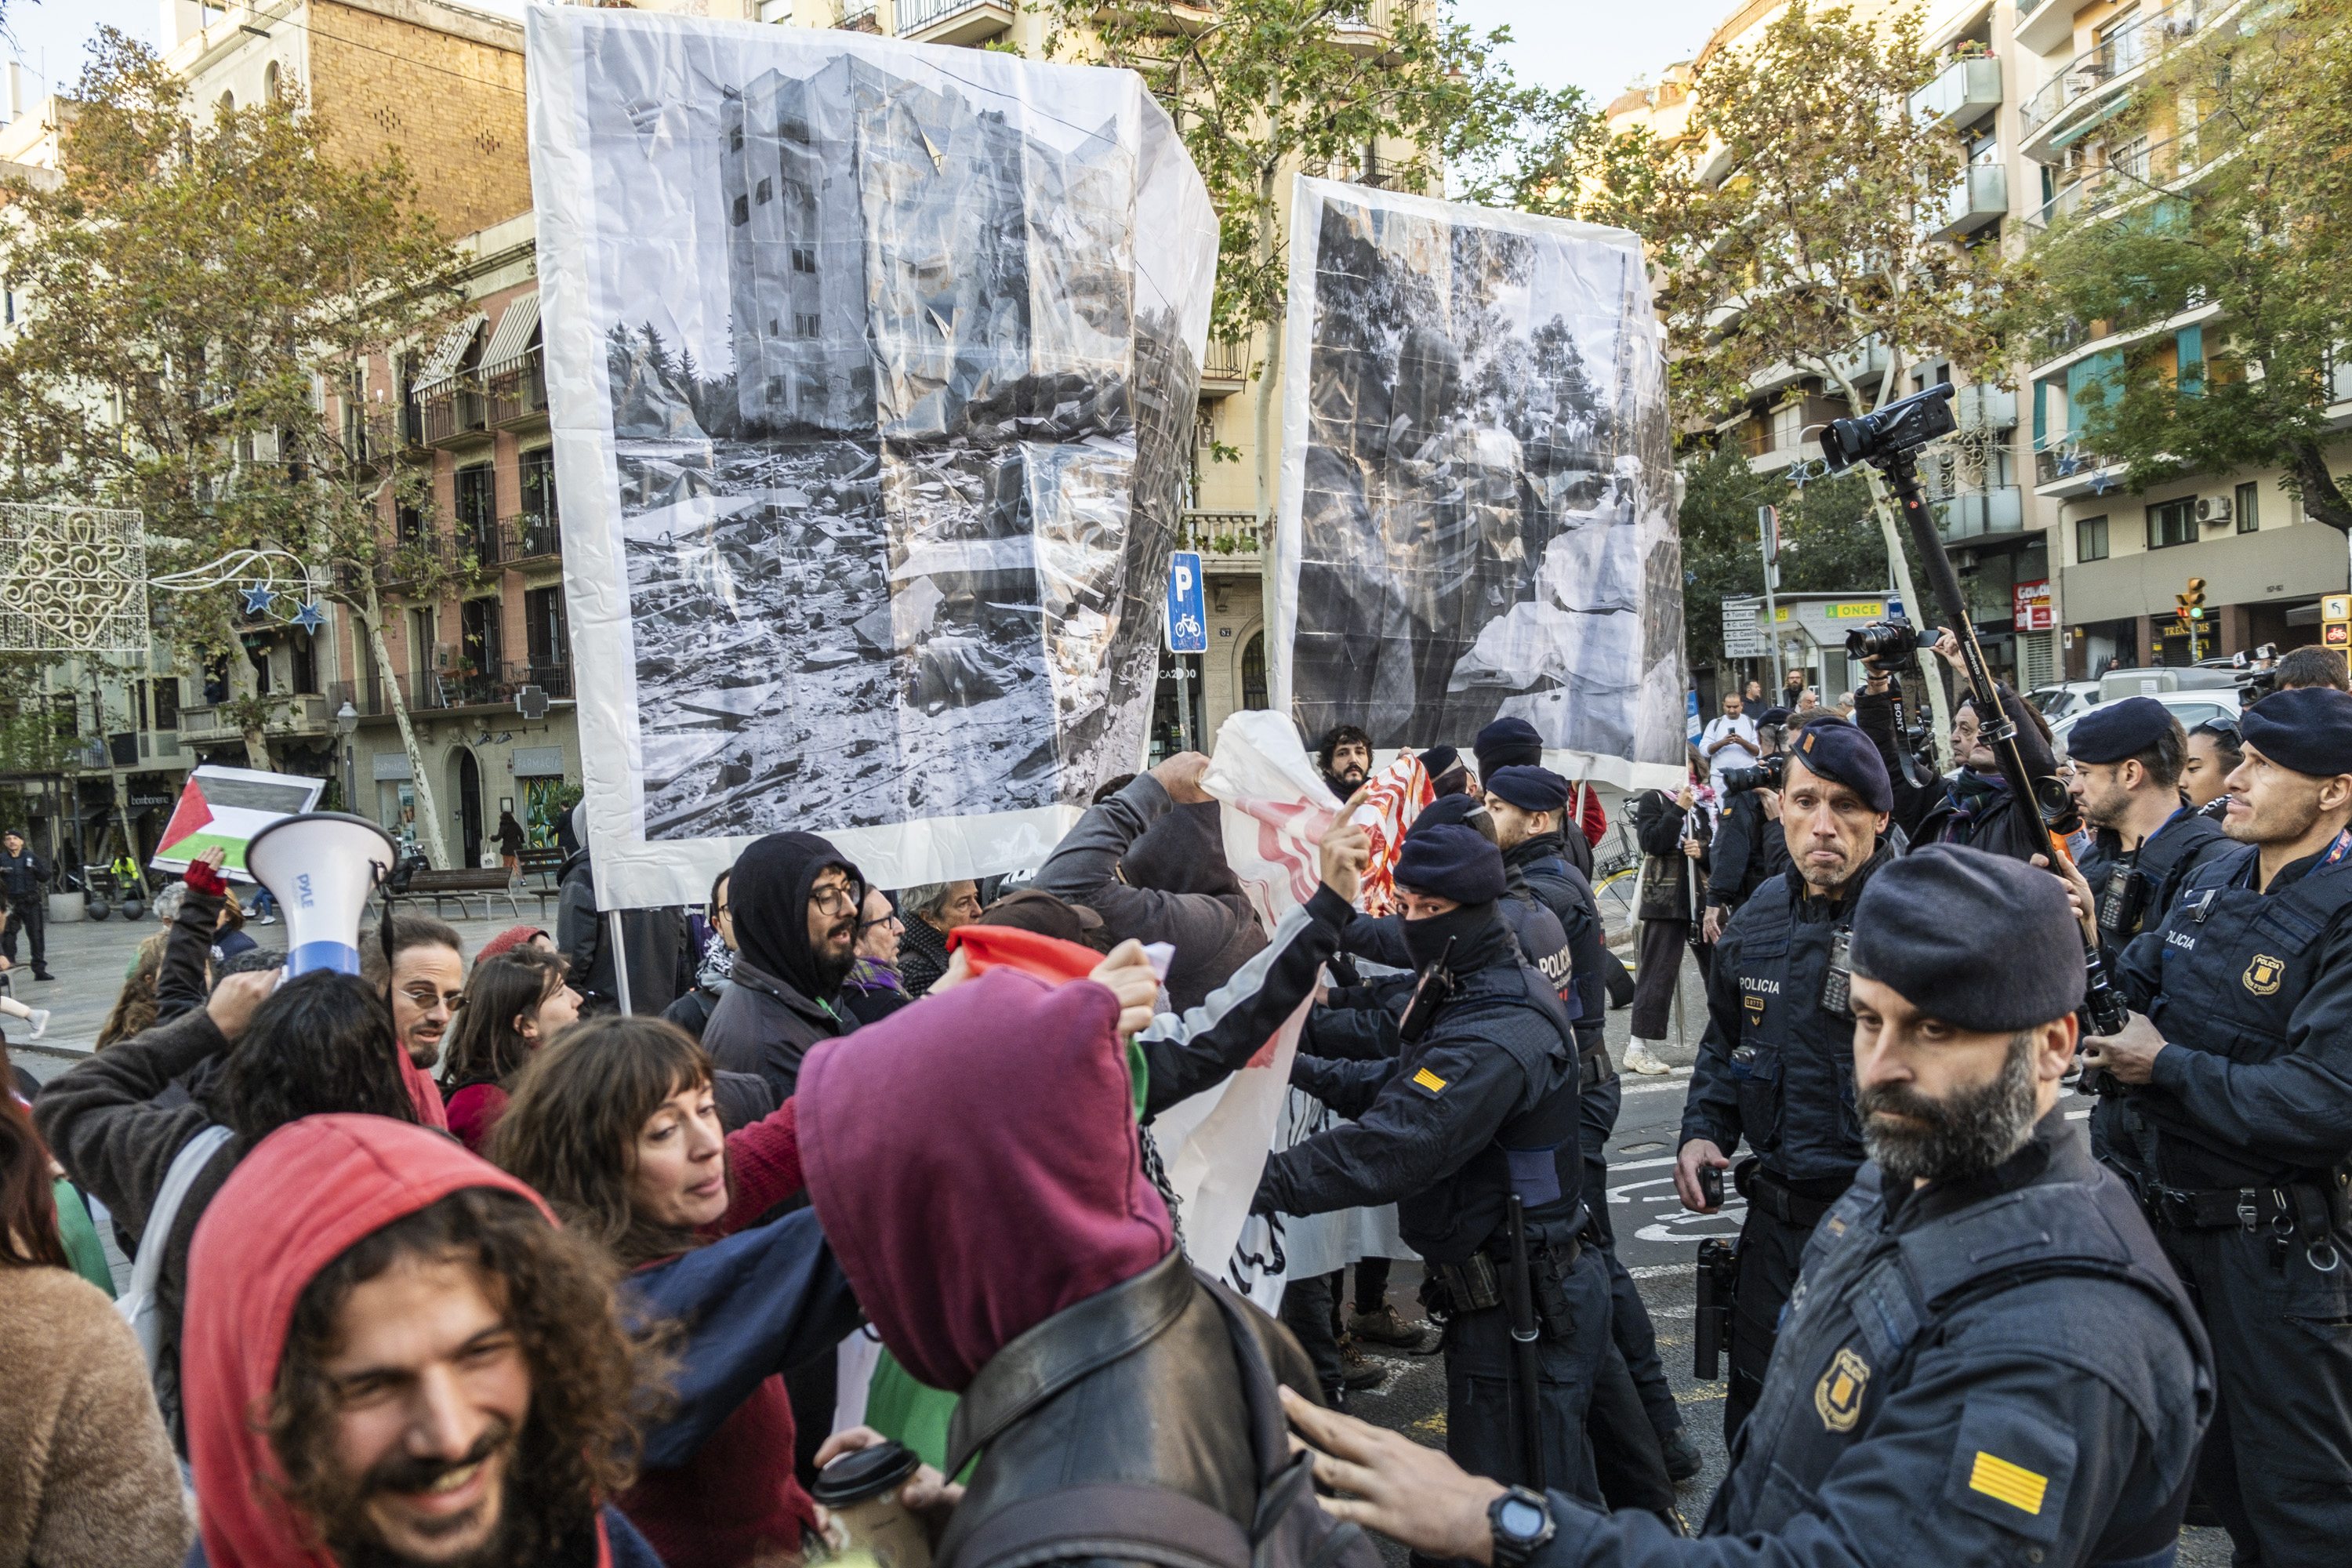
column 871, row 368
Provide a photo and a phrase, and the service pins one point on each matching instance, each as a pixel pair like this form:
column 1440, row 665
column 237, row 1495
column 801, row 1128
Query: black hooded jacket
column 779, row 1004
column 1969, row 808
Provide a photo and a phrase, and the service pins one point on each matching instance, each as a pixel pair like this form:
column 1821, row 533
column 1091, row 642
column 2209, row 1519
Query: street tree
column 2240, row 202
column 198, row 289
column 1261, row 91
column 1794, row 227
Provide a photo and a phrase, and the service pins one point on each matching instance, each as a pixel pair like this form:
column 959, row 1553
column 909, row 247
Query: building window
column 1254, row 693
column 806, row 326
column 2172, row 523
column 270, row 87
column 2091, row 539
column 2249, row 507
column 766, row 193
column 804, row 259
column 167, row 703
column 742, row 210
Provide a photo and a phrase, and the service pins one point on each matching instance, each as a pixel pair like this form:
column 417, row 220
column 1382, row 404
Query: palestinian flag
column 224, row 808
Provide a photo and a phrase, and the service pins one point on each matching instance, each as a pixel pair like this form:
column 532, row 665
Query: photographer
column 1972, row 805
column 1749, row 847
column 1776, row 1066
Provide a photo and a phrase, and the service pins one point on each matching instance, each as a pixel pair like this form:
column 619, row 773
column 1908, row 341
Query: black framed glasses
column 889, row 918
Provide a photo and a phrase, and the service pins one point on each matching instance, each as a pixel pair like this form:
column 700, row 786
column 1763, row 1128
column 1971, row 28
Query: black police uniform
column 1748, row 850
column 1483, row 1103
column 1538, row 860
column 2134, row 887
column 1776, row 1067
column 2001, row 1369
column 2249, row 1113
column 24, row 879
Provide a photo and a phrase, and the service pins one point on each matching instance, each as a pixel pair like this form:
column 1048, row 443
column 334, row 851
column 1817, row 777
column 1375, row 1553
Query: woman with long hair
column 91, row 1483
column 513, row 1003
column 613, row 1122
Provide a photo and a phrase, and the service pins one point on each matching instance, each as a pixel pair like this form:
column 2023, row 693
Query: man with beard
column 1480, row 1102
column 794, row 901
column 410, row 1366
column 2243, row 1072
column 426, row 981
column 2145, row 842
column 1989, row 1360
column 1513, row 743
column 1776, row 1065
column 1346, row 759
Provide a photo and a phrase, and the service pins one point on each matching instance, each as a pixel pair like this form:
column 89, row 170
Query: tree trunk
column 428, row 813
column 1269, row 381
column 2321, row 495
column 244, row 690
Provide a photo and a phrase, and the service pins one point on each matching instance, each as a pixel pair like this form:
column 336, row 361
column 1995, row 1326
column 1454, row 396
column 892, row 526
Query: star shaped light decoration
column 257, row 600
column 310, row 617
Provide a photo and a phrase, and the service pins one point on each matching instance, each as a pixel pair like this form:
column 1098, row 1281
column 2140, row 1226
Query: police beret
column 1439, row 761
column 1772, row 718
column 2308, row 730
column 1529, row 789
column 1447, row 810
column 1507, row 742
column 1980, row 941
column 1838, row 752
column 2113, row 730
column 1451, row 861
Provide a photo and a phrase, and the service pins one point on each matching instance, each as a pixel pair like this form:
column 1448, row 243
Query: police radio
column 1436, row 983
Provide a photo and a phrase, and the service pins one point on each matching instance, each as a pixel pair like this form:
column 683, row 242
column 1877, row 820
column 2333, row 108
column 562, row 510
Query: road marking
column 1678, row 1078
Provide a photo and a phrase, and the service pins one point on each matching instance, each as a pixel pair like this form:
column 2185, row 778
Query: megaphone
column 320, row 866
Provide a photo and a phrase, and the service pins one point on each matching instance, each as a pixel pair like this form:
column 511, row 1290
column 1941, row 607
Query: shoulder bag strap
column 137, row 1305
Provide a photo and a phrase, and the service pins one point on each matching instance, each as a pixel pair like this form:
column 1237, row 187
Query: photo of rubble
column 1483, row 483
column 896, row 420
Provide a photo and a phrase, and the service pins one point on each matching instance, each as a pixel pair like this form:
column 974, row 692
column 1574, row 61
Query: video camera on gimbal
column 1900, row 427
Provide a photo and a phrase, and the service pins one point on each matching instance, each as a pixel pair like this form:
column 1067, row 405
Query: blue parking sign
column 1187, row 606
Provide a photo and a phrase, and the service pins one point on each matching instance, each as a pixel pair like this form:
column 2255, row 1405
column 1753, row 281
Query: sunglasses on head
column 2222, row 729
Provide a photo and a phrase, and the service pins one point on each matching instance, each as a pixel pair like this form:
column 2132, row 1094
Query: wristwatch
column 1520, row 1521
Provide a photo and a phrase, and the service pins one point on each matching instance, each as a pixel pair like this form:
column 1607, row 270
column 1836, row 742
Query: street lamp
column 347, row 721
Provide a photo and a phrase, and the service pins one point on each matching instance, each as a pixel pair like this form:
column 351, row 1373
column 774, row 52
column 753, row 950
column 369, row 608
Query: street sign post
column 1188, row 629
column 2335, row 620
column 1743, row 634
column 1767, row 535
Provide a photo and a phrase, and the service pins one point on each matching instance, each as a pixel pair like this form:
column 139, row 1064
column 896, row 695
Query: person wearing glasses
column 2214, row 753
column 793, row 902
column 875, row 990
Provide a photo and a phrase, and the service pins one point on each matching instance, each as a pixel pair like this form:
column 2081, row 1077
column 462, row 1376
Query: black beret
column 1980, row 941
column 2113, row 730
column 1529, row 789
column 1451, row 861
column 1840, row 752
column 1773, row 717
column 1447, row 810
column 2307, row 730
column 1507, row 742
column 1440, row 760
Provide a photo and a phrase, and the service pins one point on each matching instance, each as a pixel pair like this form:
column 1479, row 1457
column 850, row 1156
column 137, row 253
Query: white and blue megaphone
column 321, row 866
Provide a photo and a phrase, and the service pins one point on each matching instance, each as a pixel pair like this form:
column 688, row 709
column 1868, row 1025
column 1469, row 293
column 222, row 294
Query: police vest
column 1868, row 1301
column 1535, row 1150
column 1564, row 891
column 2234, row 966
column 2152, row 876
column 1792, row 1063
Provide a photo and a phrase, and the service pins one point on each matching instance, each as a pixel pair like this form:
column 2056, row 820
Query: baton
column 1521, row 1302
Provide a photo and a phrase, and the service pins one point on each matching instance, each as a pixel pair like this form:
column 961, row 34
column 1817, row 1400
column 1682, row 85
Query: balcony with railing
column 2064, row 466
column 954, row 21
column 2065, row 106
column 1222, row 538
column 532, row 536
column 1978, row 197
column 1224, row 369
column 1371, row 30
column 486, row 542
column 517, row 389
column 2130, row 172
column 453, row 411
column 1963, row 92
column 457, row 684
column 858, row 16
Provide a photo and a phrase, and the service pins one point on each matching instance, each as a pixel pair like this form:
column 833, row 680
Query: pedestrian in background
column 25, row 879
column 927, row 911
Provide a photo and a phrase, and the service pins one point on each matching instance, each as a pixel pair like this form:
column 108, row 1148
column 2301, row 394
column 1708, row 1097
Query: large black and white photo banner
column 1478, row 506
column 871, row 369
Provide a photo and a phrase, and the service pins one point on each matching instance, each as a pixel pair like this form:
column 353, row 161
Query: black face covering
column 769, row 893
column 1477, row 935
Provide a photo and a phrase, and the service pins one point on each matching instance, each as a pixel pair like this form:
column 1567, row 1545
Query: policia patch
column 2264, row 973
column 1837, row 1398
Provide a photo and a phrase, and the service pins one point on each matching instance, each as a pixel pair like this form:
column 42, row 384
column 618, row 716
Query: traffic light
column 2192, row 604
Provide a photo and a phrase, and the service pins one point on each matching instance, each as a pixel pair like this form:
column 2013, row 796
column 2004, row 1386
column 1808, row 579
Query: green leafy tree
column 1794, row 227
column 199, row 289
column 1261, row 91
column 2242, row 200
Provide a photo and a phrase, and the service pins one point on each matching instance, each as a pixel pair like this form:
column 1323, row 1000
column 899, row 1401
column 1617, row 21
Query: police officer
column 1776, row 1066
column 1511, row 743
column 25, row 879
column 2244, row 1063
column 1528, row 804
column 2146, row 839
column 1989, row 1360
column 1748, row 849
column 1480, row 1102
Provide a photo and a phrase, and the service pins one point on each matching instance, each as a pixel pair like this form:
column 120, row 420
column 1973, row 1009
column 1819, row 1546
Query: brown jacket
column 89, row 1481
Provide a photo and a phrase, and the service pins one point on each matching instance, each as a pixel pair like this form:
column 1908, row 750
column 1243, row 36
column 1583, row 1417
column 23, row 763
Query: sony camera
column 1892, row 641
column 1901, row 426
column 1765, row 774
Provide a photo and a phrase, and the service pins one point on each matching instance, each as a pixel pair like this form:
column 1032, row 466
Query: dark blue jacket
column 1563, row 890
column 1748, row 849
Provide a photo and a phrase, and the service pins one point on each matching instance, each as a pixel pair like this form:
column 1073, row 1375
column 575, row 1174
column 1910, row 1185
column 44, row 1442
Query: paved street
column 1658, row 1239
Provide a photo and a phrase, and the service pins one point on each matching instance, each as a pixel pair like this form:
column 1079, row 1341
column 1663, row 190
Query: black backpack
column 1153, row 1524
